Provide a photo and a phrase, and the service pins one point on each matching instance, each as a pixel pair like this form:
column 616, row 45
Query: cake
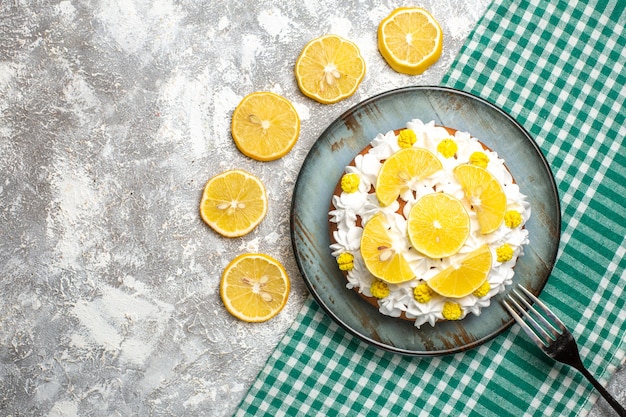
column 428, row 270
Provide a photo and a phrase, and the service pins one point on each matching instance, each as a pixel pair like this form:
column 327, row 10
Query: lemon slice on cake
column 485, row 195
column 457, row 281
column 402, row 169
column 438, row 225
column 381, row 257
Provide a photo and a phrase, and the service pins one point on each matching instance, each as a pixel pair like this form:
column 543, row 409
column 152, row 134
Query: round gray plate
column 345, row 138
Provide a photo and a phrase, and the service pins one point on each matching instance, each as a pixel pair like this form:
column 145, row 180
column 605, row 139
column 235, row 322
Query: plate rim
column 292, row 218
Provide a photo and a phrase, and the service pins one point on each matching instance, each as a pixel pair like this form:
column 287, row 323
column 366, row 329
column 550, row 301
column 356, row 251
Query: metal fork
column 556, row 342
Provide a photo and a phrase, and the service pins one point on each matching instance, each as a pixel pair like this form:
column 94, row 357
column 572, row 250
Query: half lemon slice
column 457, row 281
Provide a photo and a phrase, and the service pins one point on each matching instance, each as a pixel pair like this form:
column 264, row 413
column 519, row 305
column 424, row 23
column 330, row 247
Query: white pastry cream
column 351, row 211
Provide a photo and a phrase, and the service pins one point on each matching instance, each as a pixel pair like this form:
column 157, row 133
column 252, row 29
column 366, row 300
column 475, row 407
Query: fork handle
column 607, row 395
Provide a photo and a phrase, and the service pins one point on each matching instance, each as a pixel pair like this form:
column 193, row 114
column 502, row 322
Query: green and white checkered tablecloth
column 558, row 67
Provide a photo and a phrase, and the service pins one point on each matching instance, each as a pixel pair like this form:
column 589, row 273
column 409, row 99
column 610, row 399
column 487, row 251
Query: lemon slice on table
column 233, row 203
column 379, row 254
column 438, row 225
column 485, row 195
column 457, row 281
column 265, row 126
column 254, row 287
column 410, row 40
column 329, row 69
column 403, row 168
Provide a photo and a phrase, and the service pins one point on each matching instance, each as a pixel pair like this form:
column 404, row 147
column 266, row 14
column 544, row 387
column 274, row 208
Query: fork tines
column 534, row 323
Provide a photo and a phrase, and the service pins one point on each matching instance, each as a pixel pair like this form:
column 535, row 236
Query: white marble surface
column 113, row 114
